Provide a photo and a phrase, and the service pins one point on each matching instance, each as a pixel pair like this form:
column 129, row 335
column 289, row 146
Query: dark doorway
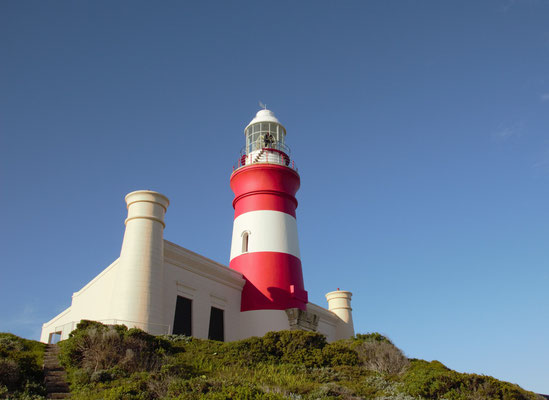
column 182, row 323
column 217, row 329
column 54, row 337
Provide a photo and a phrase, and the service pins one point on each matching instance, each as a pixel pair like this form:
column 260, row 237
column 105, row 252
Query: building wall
column 187, row 274
column 329, row 324
column 93, row 302
column 207, row 284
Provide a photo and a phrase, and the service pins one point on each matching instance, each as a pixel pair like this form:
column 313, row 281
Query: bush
column 339, row 353
column 96, row 347
column 296, row 347
column 381, row 356
column 201, row 388
column 9, row 373
column 371, row 337
column 112, row 362
column 20, row 367
column 287, row 347
column 432, row 380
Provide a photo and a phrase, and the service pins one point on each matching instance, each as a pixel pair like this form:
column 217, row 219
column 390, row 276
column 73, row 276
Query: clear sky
column 420, row 129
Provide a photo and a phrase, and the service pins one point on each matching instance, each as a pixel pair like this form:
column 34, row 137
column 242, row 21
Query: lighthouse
column 163, row 288
column 265, row 246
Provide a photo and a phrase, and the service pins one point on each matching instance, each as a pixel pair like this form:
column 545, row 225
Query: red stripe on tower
column 265, row 246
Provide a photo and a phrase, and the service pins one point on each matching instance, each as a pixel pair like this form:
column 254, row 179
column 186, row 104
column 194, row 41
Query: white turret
column 339, row 302
column 265, row 141
column 137, row 294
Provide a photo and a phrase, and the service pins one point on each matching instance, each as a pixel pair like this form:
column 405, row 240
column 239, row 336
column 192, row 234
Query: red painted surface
column 274, row 281
column 265, row 201
column 265, row 187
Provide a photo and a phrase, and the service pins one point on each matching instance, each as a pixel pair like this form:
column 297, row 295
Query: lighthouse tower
column 265, row 247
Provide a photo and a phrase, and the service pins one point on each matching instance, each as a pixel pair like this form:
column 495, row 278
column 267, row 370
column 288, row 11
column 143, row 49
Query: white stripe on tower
column 272, row 231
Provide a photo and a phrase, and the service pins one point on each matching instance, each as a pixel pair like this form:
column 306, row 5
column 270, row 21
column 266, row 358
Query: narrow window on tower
column 245, row 240
column 182, row 322
column 217, row 329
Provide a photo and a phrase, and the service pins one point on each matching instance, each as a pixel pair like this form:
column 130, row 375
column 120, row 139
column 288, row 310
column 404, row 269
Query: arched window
column 245, row 240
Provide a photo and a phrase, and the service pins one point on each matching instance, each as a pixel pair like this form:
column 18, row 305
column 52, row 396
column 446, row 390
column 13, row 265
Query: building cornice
column 94, row 280
column 325, row 315
column 57, row 317
column 200, row 265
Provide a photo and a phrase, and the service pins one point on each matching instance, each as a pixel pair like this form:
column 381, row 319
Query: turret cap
column 264, row 116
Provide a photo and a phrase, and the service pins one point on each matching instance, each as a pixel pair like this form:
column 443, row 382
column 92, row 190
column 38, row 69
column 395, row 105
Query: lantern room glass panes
column 264, row 134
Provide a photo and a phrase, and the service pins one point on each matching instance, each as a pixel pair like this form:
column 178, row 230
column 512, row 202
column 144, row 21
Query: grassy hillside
column 106, row 362
column 21, row 368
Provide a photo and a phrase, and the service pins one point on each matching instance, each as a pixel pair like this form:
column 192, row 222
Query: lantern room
column 265, row 141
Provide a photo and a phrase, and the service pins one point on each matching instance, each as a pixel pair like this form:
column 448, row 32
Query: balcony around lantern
column 259, row 153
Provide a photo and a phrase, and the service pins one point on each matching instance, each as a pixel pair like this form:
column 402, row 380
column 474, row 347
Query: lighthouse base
column 277, row 281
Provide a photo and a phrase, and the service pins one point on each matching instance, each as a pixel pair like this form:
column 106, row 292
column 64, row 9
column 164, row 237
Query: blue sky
column 420, row 129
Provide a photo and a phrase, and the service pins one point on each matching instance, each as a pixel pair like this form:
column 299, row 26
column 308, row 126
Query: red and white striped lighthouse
column 265, row 247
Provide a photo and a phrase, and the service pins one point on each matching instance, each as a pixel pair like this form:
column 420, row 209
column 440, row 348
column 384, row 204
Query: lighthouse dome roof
column 264, row 116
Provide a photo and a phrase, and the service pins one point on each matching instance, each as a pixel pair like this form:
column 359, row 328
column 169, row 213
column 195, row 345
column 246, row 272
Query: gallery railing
column 270, row 153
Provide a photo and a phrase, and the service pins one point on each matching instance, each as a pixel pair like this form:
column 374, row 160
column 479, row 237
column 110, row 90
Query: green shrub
column 182, row 387
column 381, row 356
column 371, row 337
column 295, row 347
column 134, row 389
column 20, row 367
column 112, row 362
column 432, row 380
column 201, row 388
column 331, row 390
column 97, row 347
column 339, row 353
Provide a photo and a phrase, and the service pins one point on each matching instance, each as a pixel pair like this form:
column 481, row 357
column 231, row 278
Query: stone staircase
column 55, row 377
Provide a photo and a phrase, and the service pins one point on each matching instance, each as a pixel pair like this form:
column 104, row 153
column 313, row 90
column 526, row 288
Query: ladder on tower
column 258, row 156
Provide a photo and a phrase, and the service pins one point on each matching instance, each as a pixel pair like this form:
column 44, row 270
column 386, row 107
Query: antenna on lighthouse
column 263, row 106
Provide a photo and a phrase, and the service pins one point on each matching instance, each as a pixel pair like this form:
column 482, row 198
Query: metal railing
column 273, row 153
column 261, row 144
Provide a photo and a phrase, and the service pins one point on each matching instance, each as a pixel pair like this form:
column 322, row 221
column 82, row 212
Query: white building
column 164, row 288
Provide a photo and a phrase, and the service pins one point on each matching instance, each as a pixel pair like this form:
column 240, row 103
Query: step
column 55, row 381
column 53, row 373
column 55, row 378
column 57, row 388
column 56, row 375
column 58, row 396
column 50, row 368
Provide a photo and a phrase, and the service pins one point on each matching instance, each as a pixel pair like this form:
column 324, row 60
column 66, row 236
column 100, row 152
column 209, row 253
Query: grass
column 21, row 362
column 114, row 363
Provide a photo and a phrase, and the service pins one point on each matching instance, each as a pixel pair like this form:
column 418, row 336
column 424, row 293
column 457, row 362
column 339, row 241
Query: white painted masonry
column 339, row 302
column 140, row 288
column 139, row 282
column 281, row 236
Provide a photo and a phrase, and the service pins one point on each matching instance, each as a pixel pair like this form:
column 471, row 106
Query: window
column 217, row 329
column 245, row 240
column 182, row 323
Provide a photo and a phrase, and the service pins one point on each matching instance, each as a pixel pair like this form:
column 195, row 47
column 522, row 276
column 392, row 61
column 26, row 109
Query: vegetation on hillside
column 21, row 368
column 113, row 362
